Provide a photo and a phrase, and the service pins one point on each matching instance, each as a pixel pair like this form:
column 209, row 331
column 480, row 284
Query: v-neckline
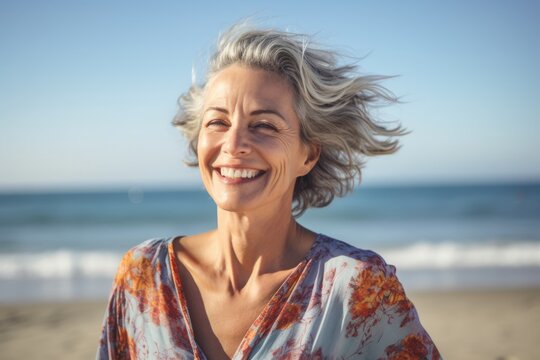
column 284, row 289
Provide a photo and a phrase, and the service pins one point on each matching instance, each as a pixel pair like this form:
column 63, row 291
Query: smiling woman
column 278, row 127
column 250, row 127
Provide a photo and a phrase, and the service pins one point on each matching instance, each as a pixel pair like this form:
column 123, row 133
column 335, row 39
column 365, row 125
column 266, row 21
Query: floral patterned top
column 340, row 302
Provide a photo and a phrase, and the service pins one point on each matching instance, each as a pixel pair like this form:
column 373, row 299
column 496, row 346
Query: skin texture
column 248, row 122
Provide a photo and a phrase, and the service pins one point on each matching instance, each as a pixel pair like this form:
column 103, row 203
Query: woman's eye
column 265, row 125
column 217, row 123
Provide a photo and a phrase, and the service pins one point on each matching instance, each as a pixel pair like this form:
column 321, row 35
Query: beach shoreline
column 465, row 324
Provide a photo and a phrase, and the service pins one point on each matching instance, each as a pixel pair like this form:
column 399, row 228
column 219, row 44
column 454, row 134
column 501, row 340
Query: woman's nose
column 237, row 142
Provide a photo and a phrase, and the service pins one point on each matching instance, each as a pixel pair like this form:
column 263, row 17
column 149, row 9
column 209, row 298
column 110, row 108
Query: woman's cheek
column 205, row 142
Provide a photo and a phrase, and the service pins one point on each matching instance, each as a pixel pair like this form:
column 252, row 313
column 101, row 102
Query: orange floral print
column 123, row 351
column 367, row 294
column 289, row 316
column 373, row 288
column 340, row 302
column 135, row 274
column 410, row 348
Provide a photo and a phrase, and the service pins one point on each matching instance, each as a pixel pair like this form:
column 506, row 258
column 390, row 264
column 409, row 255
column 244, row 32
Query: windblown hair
column 333, row 102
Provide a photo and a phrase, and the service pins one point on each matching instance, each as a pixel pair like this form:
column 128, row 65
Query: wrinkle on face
column 239, row 103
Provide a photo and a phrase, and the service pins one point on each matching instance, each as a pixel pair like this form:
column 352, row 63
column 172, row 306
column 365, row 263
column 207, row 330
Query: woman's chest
column 219, row 326
column 220, row 322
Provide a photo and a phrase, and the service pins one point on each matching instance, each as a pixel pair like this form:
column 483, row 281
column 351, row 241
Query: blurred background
column 90, row 165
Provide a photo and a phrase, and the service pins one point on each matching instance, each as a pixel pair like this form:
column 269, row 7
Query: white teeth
column 239, row 173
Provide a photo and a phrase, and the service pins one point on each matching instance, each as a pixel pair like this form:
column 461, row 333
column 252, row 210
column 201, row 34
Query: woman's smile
column 278, row 127
column 250, row 151
column 232, row 175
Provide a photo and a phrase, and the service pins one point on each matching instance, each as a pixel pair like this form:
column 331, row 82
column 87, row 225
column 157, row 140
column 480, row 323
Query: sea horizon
column 69, row 188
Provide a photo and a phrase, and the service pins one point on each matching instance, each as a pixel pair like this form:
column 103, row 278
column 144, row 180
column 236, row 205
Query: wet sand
column 487, row 324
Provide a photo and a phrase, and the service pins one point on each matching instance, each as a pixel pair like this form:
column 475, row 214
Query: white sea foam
column 453, row 255
column 59, row 264
column 65, row 264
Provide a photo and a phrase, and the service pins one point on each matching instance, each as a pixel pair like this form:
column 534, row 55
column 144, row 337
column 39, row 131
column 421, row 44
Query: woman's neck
column 249, row 245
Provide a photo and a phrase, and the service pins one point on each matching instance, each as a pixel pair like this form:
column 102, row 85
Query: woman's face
column 249, row 146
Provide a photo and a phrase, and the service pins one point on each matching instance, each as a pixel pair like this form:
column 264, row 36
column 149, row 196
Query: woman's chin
column 234, row 207
column 234, row 202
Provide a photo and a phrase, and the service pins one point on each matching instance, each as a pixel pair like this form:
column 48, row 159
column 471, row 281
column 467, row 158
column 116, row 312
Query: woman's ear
column 313, row 155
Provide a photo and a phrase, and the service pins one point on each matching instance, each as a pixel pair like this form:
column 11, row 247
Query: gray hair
column 333, row 103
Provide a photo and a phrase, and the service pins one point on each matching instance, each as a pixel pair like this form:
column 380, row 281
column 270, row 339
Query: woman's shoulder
column 347, row 266
column 336, row 253
column 149, row 249
column 378, row 313
column 143, row 258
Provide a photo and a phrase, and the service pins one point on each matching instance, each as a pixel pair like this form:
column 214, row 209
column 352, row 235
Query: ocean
column 66, row 246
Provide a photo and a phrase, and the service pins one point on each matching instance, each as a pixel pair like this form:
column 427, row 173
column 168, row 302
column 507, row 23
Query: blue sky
column 88, row 89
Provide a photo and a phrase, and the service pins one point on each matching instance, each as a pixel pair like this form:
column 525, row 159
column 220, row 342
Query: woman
column 278, row 127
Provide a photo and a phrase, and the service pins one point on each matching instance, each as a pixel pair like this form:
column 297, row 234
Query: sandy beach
column 489, row 324
column 497, row 324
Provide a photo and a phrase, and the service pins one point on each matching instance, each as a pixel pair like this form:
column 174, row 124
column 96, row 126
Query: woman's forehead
column 255, row 86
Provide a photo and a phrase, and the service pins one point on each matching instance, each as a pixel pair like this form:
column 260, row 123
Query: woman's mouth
column 238, row 176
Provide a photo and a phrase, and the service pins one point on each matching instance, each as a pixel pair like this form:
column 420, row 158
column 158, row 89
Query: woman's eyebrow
column 268, row 111
column 253, row 113
column 217, row 108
